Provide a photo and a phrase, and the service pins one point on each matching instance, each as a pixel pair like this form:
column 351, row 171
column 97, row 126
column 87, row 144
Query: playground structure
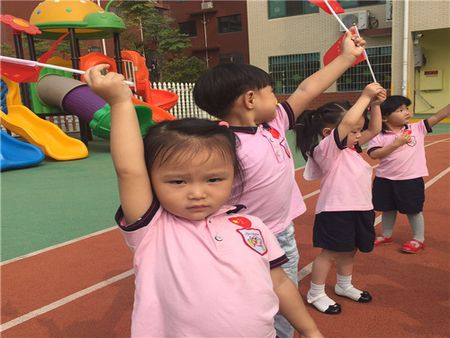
column 57, row 93
column 76, row 98
column 42, row 133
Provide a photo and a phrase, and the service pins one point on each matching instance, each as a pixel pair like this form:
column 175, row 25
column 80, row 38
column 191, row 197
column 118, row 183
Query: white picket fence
column 185, row 106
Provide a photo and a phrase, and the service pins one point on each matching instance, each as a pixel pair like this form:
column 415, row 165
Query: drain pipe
column 405, row 47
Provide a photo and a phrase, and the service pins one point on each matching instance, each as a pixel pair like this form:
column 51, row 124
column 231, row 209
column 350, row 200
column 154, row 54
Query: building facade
column 289, row 39
column 422, row 70
column 217, row 29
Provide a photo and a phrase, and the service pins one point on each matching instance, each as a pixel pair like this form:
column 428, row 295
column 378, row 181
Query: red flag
column 28, row 72
column 333, row 4
column 335, row 51
column 44, row 57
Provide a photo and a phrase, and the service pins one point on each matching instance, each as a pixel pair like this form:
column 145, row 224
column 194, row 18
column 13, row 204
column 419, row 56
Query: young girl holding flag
column 329, row 139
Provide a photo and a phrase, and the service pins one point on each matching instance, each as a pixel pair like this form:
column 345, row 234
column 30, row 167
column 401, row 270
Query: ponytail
column 307, row 134
column 310, row 123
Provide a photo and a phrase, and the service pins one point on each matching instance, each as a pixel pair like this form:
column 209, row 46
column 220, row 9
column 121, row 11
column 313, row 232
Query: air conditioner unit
column 388, row 10
column 207, row 5
column 360, row 19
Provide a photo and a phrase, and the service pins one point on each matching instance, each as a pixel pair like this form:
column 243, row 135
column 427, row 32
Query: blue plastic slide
column 16, row 154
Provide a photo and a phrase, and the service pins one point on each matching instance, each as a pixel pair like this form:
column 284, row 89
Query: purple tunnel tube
column 70, row 95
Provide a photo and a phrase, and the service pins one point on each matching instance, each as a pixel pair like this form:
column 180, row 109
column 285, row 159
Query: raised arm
column 127, row 148
column 375, row 122
column 317, row 83
column 439, row 116
column 292, row 306
column 354, row 114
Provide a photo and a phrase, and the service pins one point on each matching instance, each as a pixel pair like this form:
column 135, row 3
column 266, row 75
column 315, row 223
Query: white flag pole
column 347, row 30
column 31, row 63
column 367, row 59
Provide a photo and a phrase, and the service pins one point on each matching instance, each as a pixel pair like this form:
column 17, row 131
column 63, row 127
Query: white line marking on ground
column 306, row 270
column 31, row 254
column 63, row 301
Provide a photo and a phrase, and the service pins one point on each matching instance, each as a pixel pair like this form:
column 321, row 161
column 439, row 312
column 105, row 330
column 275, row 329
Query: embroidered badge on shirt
column 412, row 141
column 254, row 240
column 241, row 221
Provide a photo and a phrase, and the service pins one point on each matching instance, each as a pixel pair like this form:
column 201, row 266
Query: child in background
column 398, row 184
column 202, row 269
column 242, row 95
column 330, row 138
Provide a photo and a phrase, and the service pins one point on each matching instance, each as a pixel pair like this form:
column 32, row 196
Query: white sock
column 317, row 296
column 388, row 221
column 418, row 225
column 345, row 285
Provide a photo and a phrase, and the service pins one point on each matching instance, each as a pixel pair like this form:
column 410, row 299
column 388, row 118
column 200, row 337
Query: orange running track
column 85, row 289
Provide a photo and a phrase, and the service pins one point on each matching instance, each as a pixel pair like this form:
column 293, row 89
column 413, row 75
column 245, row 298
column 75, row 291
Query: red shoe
column 413, row 246
column 382, row 240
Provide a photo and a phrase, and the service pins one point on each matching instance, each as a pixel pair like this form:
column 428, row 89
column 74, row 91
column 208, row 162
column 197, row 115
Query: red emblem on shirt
column 274, row 132
column 241, row 221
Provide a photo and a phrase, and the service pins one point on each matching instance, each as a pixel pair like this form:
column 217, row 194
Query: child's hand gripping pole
column 357, row 33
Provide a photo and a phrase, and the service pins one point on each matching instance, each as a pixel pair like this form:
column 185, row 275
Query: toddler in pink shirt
column 330, row 138
column 398, row 184
column 202, row 269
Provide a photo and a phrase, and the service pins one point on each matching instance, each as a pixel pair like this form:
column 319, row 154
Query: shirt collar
column 229, row 209
column 388, row 131
column 248, row 130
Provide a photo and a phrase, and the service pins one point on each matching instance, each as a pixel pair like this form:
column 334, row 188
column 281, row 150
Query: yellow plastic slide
column 44, row 134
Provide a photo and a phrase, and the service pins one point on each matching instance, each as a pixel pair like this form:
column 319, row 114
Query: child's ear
column 326, row 131
column 249, row 99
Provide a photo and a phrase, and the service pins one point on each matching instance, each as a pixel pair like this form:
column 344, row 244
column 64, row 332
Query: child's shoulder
column 421, row 127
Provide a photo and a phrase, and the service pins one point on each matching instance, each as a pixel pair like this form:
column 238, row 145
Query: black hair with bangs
column 390, row 105
column 170, row 140
column 218, row 87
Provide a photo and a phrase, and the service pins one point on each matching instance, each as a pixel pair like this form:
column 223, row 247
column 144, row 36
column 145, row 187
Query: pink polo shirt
column 407, row 161
column 270, row 190
column 208, row 278
column 346, row 179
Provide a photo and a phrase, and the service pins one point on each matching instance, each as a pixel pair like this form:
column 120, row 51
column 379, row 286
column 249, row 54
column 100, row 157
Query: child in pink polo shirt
column 330, row 138
column 202, row 269
column 398, row 184
column 243, row 96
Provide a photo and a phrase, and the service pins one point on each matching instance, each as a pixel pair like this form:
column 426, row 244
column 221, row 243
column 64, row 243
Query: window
column 288, row 71
column 92, row 49
column 360, row 3
column 231, row 58
column 282, row 8
column 357, row 77
column 189, row 28
column 230, row 23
